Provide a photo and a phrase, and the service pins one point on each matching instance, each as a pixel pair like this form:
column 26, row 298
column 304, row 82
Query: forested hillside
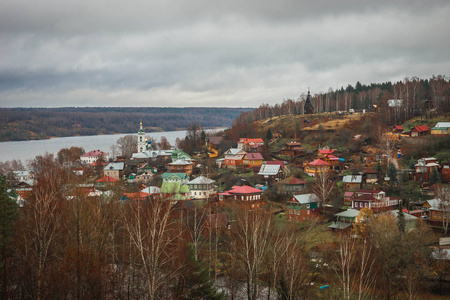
column 40, row 123
column 419, row 97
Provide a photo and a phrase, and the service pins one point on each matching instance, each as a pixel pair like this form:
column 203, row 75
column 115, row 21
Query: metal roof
column 267, row 170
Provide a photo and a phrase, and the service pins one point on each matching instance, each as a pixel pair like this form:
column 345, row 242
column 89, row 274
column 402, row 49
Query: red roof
column 94, row 153
column 326, row 151
column 421, row 128
column 292, row 180
column 245, row 189
column 137, row 195
column 398, row 127
column 248, row 141
column 318, row 162
column 255, row 156
column 107, row 179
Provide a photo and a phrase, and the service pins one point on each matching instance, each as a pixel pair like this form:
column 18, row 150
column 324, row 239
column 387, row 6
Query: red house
column 245, row 196
column 420, row 130
column 397, row 129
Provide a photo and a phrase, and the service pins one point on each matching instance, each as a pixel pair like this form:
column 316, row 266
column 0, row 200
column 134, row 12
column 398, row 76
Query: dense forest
column 420, row 97
column 39, row 123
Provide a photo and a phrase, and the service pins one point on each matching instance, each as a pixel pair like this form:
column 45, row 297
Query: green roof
column 179, row 175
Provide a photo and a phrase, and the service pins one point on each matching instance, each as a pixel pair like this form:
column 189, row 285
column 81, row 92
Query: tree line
column 39, row 123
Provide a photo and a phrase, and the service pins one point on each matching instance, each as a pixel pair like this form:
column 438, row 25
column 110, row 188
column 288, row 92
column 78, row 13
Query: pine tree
column 269, row 135
column 379, row 169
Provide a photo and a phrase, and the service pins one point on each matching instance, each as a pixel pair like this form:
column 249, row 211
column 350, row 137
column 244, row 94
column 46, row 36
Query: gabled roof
column 201, row 180
column 399, row 127
column 180, row 162
column 349, row 213
column 269, row 170
column 292, row 180
column 371, row 192
column 352, row 179
column 178, row 175
column 107, row 179
column 442, row 125
column 234, row 151
column 421, row 128
column 115, row 166
column 151, row 190
column 349, row 194
column 326, row 151
column 254, row 156
column 318, row 162
column 305, row 198
column 369, row 171
column 251, row 140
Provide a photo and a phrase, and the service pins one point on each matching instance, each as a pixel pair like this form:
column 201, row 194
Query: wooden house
column 202, row 188
column 424, row 168
column 397, row 129
column 245, row 196
column 420, row 130
column 445, row 172
column 174, row 186
column 292, row 149
column 317, row 166
column 251, row 160
column 344, row 220
column 181, row 165
column 369, row 175
column 250, row 144
column 270, row 172
column 441, row 129
column 114, row 170
column 234, row 157
column 352, row 182
column 303, row 207
column 291, row 185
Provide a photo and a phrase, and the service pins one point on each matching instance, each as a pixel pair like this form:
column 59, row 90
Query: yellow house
column 317, row 166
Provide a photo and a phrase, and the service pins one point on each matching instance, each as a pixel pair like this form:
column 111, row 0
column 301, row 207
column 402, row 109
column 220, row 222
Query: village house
column 437, row 210
column 137, row 196
column 93, row 156
column 250, row 144
column 114, row 170
column 352, row 182
column 23, row 179
column 369, row 175
column 317, row 166
column 106, row 182
column 375, row 200
column 344, row 220
column 424, row 168
column 181, row 165
column 420, row 130
column 251, row 160
column 348, row 197
column 234, row 157
column 292, row 185
column 244, row 196
column 303, row 207
column 441, row 129
column 174, row 187
column 202, row 188
column 292, row 149
column 270, row 173
column 397, row 129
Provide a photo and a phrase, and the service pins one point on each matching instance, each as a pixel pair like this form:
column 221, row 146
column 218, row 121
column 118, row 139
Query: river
column 26, row 150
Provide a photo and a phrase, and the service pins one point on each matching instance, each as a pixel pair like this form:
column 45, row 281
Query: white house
column 93, row 156
column 202, row 188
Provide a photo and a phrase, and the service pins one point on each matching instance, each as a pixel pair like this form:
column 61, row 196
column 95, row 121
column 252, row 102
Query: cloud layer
column 201, row 53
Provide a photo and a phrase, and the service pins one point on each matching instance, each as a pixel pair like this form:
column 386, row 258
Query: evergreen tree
column 412, row 165
column 8, row 213
column 269, row 135
column 379, row 169
column 198, row 281
column 203, row 136
column 401, row 222
column 435, row 177
column 392, row 172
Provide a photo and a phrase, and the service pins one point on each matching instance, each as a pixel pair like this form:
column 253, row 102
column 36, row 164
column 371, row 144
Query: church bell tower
column 141, row 146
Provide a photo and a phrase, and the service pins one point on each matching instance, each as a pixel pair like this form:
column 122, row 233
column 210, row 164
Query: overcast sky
column 211, row 53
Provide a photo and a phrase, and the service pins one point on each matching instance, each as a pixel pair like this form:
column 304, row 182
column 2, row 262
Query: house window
column 307, row 206
column 307, row 212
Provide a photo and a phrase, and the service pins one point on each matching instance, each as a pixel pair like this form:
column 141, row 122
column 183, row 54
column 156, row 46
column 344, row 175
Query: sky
column 56, row 53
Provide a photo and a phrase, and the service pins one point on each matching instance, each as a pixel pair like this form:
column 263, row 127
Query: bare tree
column 127, row 144
column 251, row 233
column 154, row 238
column 443, row 194
column 324, row 187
